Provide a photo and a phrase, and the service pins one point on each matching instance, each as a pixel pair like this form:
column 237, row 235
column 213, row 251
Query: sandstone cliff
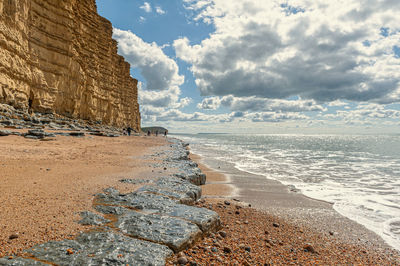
column 58, row 56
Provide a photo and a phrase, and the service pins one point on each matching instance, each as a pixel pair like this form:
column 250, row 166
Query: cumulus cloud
column 254, row 104
column 321, row 50
column 211, row 103
column 146, row 7
column 162, row 91
column 366, row 113
column 160, row 71
column 337, row 103
column 275, row 117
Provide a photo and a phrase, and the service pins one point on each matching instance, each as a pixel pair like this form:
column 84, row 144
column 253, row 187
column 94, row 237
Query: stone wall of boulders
column 11, row 118
column 143, row 227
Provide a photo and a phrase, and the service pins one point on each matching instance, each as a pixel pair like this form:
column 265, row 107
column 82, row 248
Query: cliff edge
column 58, row 56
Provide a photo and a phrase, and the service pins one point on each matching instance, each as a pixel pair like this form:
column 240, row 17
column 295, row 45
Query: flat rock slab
column 173, row 232
column 193, row 175
column 90, row 218
column 150, row 203
column 177, row 188
column 102, row 248
column 20, row 262
column 5, row 132
column 134, row 200
column 135, row 181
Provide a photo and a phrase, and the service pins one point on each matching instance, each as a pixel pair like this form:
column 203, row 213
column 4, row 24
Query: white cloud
column 337, row 103
column 321, row 50
column 366, row 113
column 160, row 71
column 254, row 104
column 211, row 103
column 159, row 10
column 146, row 7
column 275, row 117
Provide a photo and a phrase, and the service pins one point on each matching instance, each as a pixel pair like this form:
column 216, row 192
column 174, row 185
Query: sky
column 257, row 66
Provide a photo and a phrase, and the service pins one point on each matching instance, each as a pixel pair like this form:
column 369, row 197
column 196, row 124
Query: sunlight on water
column 359, row 174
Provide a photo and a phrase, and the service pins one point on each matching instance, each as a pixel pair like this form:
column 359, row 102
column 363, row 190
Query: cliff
column 58, row 56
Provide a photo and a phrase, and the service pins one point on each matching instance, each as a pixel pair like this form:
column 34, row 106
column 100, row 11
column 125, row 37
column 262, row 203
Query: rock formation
column 57, row 56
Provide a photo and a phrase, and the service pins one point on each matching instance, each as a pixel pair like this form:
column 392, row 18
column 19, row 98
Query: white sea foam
column 359, row 174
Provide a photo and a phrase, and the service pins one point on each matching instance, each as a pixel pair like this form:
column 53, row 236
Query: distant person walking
column 165, row 133
column 148, row 133
column 129, row 130
column 156, row 133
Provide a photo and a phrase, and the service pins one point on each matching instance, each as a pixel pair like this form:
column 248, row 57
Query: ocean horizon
column 358, row 174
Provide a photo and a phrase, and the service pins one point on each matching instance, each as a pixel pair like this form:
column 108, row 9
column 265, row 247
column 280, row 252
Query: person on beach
column 156, row 133
column 148, row 133
column 129, row 130
column 165, row 133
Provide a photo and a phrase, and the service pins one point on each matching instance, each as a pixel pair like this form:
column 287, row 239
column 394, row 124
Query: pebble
column 227, row 250
column 214, row 249
column 275, row 225
column 237, row 212
column 182, row 260
column 309, row 248
column 248, row 249
column 70, row 251
column 227, row 202
column 246, row 222
column 13, row 236
column 222, row 233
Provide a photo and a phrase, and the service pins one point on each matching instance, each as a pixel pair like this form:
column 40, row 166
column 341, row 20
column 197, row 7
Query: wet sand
column 46, row 184
column 279, row 226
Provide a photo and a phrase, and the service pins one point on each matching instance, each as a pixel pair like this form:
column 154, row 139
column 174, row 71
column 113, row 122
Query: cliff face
column 58, row 56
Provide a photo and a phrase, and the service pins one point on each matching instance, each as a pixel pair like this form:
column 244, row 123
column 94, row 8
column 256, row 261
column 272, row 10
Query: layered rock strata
column 143, row 227
column 57, row 56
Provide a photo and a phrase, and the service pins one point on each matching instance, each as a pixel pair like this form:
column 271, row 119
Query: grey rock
column 193, row 177
column 176, row 233
column 175, row 187
column 135, row 181
column 39, row 133
column 205, row 219
column 5, row 132
column 20, row 262
column 32, row 137
column 77, row 134
column 182, row 260
column 6, row 122
column 102, row 248
column 110, row 209
column 90, row 218
column 151, row 202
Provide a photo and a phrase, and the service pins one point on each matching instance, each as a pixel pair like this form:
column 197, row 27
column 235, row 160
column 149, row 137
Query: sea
column 358, row 174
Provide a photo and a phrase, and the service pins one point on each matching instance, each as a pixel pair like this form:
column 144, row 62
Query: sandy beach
column 281, row 227
column 46, row 184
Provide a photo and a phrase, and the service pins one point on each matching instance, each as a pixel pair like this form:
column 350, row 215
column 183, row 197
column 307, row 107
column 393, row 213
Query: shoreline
column 240, row 234
column 274, row 198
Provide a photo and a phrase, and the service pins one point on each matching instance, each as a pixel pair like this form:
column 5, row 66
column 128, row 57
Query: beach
column 264, row 223
column 46, row 184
